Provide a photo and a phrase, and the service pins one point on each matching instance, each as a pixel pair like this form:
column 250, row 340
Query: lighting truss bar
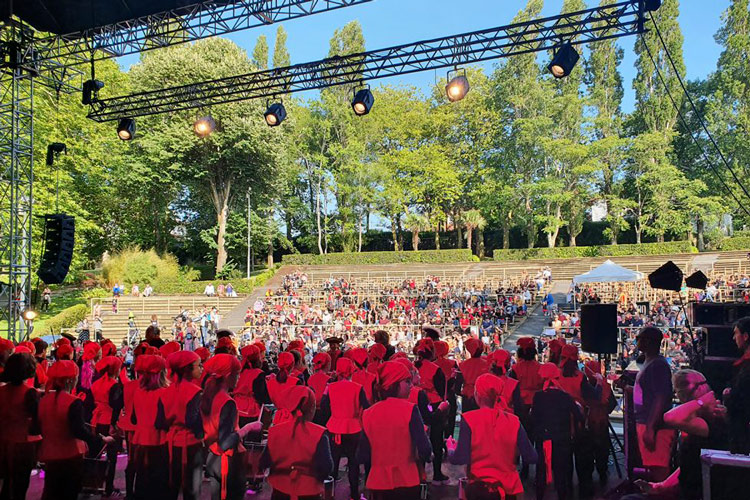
column 601, row 23
column 185, row 24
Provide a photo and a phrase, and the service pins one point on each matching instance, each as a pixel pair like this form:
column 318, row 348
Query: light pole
column 249, row 245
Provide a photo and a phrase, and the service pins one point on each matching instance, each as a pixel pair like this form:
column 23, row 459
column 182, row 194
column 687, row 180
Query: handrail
column 170, row 302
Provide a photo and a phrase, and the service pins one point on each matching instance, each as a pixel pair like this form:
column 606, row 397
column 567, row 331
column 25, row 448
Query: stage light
column 29, row 315
column 204, row 126
column 362, row 102
column 653, row 5
column 275, row 114
column 458, row 86
column 126, row 129
column 565, row 59
column 90, row 90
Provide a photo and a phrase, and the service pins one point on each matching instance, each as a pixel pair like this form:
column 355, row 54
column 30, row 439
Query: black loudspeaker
column 719, row 342
column 697, row 280
column 721, row 314
column 59, row 241
column 667, row 277
column 599, row 328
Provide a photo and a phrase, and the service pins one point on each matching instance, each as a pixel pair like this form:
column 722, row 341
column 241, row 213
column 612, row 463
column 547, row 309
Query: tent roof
column 71, row 16
column 607, row 273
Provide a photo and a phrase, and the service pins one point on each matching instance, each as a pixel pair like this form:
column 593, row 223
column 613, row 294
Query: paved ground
column 535, row 323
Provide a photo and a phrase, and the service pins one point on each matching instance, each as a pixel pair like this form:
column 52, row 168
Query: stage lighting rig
column 275, row 114
column 565, row 59
column 458, row 85
column 363, row 101
column 91, row 90
column 126, row 129
column 204, row 125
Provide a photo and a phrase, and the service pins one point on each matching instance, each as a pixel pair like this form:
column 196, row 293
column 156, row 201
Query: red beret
column 64, row 351
column 473, row 346
column 525, row 343
column 226, row 342
column 22, row 349
column 594, row 365
column 222, row 365
column 377, row 352
column 549, row 371
column 425, row 346
column 250, row 353
column 108, row 348
column 569, row 351
column 488, row 386
column 110, row 364
column 28, row 345
column 285, row 361
column 391, row 373
column 203, row 353
column 296, row 345
column 359, row 356
column 321, row 360
column 169, row 348
column 344, row 367
column 180, row 359
column 404, row 361
column 62, row 370
column 556, row 345
column 398, row 355
column 441, row 348
column 499, row 357
column 62, row 341
column 151, row 363
column 142, row 348
column 262, row 346
column 6, row 346
column 90, row 351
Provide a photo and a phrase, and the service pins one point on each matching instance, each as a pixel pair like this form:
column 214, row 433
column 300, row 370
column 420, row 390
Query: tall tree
column 260, row 53
column 281, row 56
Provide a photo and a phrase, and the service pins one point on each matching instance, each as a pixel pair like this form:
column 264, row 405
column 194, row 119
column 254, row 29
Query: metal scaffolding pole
column 16, row 180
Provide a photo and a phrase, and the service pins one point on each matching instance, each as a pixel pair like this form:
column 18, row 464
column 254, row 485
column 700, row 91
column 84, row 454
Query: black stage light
column 458, row 86
column 126, row 129
column 204, row 125
column 362, row 102
column 90, row 90
column 652, row 5
column 564, row 61
column 52, row 150
column 275, row 114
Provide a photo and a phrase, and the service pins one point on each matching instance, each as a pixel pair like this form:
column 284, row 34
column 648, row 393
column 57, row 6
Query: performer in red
column 342, row 406
column 185, row 435
column 489, row 442
column 92, row 353
column 150, row 435
column 298, row 452
column 450, row 370
column 471, row 369
column 6, row 349
column 318, row 382
column 377, row 356
column 511, row 393
column 282, row 381
column 598, row 420
column 125, row 423
column 361, row 374
column 65, row 434
column 393, row 430
column 108, row 402
column 19, row 432
column 526, row 371
column 225, row 467
column 40, row 354
column 251, row 393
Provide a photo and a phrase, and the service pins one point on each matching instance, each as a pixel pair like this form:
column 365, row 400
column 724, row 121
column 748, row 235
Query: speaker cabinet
column 58, row 248
column 599, row 328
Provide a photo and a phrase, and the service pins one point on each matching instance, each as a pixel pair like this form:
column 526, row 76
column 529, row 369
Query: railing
column 173, row 304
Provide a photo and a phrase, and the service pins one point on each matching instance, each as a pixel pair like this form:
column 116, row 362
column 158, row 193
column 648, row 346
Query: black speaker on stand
column 599, row 328
column 59, row 240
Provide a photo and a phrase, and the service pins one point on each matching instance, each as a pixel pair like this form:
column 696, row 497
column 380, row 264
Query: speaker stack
column 599, row 328
column 59, row 231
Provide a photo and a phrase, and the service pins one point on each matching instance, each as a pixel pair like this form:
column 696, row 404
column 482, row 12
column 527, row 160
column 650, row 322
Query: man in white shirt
column 209, row 290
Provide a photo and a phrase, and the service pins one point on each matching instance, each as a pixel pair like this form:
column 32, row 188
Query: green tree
column 260, row 53
column 472, row 219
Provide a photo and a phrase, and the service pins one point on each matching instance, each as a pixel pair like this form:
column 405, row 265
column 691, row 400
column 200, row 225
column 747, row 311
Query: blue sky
column 393, row 22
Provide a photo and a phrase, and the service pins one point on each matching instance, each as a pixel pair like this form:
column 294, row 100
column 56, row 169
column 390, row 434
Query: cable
column 695, row 110
column 687, row 127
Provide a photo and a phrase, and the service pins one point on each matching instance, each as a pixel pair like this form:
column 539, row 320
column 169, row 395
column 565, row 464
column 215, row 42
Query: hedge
column 735, row 243
column 67, row 318
column 193, row 287
column 360, row 258
column 670, row 247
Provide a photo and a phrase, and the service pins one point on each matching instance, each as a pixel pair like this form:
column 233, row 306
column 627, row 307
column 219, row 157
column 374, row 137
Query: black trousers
column 130, row 467
column 277, row 495
column 63, row 479
column 583, row 450
column 186, row 477
column 412, row 493
column 151, row 472
column 235, row 477
column 347, row 448
column 450, row 427
column 481, row 491
column 436, row 440
column 16, row 466
column 112, row 451
column 562, row 469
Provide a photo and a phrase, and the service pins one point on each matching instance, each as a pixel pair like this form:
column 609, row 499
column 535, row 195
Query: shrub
column 361, row 258
column 193, row 287
column 67, row 318
column 670, row 247
column 735, row 243
column 133, row 266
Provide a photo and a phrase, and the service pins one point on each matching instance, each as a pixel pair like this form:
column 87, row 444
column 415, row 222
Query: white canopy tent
column 609, row 272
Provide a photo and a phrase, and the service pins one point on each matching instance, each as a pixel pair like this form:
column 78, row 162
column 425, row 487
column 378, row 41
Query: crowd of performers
column 185, row 415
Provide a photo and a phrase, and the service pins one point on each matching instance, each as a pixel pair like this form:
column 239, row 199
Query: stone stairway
column 235, row 319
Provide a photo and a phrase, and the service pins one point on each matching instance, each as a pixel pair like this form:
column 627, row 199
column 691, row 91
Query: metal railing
column 171, row 303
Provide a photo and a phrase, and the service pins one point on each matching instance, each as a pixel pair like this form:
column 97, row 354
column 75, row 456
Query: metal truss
column 185, row 24
column 605, row 22
column 16, row 180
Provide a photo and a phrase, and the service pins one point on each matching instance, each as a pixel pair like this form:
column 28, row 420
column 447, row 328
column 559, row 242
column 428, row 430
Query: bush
column 133, row 266
column 193, row 287
column 440, row 256
column 670, row 247
column 735, row 243
column 67, row 318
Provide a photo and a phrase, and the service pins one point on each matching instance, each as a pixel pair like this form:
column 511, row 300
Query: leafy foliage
column 671, row 247
column 359, row 258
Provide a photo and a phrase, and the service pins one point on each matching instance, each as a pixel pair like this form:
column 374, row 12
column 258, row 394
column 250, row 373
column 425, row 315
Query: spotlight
column 126, row 129
column 652, row 5
column 204, row 126
column 564, row 61
column 275, row 114
column 362, row 102
column 458, row 86
column 29, row 315
column 90, row 90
